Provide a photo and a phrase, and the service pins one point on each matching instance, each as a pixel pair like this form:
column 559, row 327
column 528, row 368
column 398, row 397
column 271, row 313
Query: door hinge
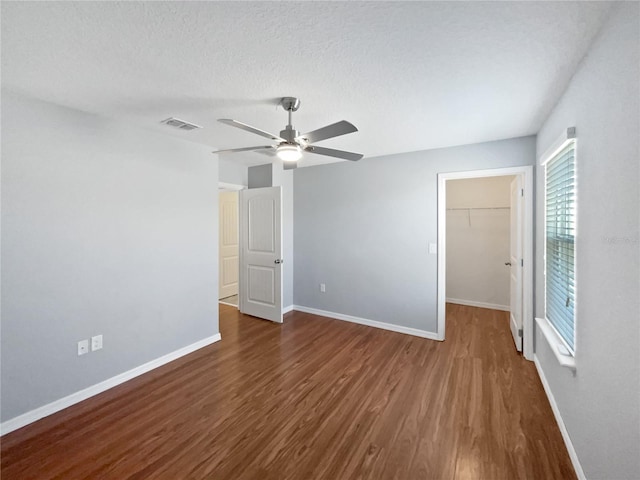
column 519, row 332
column 522, row 192
column 522, row 262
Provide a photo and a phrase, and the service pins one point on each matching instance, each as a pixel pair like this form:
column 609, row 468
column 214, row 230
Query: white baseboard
column 563, row 429
column 287, row 309
column 62, row 403
column 473, row 303
column 370, row 323
column 225, row 303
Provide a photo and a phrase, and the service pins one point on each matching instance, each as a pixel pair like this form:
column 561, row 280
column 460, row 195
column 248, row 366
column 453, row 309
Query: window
column 560, row 229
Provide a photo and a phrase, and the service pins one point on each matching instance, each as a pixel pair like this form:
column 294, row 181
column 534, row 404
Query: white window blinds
column 560, row 285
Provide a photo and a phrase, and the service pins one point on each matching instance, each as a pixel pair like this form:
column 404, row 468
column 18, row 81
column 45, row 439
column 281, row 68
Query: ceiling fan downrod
column 290, row 104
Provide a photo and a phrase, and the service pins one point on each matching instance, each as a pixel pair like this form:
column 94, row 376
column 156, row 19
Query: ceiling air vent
column 181, row 124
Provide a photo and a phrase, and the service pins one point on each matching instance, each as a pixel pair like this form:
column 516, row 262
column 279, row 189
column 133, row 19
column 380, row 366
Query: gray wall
column 260, row 176
column 106, row 229
column 287, row 237
column 600, row 405
column 363, row 229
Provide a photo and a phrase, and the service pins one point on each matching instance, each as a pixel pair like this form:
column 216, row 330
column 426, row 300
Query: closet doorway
column 485, row 246
column 478, row 242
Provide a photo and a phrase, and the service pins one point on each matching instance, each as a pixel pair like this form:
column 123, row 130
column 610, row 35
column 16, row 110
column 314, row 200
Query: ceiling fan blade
column 249, row 128
column 268, row 152
column 354, row 157
column 245, row 149
column 334, row 130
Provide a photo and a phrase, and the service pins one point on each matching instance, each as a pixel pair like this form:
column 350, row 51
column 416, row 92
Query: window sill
column 566, row 360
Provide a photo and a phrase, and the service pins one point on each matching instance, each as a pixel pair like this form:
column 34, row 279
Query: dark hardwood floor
column 313, row 398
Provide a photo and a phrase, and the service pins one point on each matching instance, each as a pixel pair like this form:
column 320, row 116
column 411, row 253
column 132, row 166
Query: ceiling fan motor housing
column 289, row 134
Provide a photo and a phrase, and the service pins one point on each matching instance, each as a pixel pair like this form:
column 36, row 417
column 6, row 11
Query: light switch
column 433, row 248
column 96, row 343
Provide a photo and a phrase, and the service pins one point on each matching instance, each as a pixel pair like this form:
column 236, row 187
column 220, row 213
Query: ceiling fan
column 291, row 143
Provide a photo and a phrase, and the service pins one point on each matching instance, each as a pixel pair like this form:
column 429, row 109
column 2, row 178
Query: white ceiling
column 410, row 75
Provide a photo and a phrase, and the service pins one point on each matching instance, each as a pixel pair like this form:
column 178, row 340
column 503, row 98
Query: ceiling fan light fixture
column 289, row 153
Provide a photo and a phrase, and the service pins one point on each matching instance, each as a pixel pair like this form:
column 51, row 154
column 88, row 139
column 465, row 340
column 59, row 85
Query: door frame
column 233, row 187
column 526, row 173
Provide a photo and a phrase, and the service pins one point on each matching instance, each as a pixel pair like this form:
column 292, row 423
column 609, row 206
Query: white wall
column 106, row 229
column 600, row 405
column 363, row 228
column 483, row 192
column 232, row 172
column 478, row 233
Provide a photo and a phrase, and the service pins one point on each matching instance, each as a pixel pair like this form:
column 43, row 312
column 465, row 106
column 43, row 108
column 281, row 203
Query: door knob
column 278, row 260
column 507, row 263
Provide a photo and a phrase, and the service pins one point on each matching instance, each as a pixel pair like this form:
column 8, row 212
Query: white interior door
column 261, row 253
column 229, row 254
column 515, row 259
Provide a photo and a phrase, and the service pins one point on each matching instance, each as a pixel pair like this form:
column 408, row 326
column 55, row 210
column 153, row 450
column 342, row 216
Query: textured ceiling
column 409, row 75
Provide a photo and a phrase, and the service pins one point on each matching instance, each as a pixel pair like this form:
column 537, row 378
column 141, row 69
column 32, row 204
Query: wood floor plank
column 313, row 398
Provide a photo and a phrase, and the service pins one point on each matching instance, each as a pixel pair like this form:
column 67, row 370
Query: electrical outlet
column 96, row 343
column 83, row 347
column 323, row 288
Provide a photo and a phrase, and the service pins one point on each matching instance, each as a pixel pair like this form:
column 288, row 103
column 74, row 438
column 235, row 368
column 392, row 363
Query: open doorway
column 478, row 247
column 228, row 244
column 485, row 246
